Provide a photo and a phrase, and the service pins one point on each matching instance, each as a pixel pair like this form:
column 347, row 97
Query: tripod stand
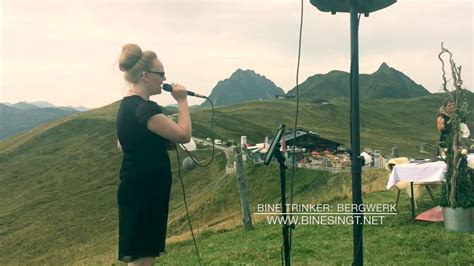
column 286, row 226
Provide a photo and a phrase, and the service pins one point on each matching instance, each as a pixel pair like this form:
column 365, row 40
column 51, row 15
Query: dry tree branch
column 455, row 164
column 455, row 159
column 442, row 67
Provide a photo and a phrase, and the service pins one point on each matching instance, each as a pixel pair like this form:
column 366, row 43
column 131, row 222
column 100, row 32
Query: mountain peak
column 239, row 72
column 42, row 104
column 241, row 86
column 386, row 82
column 384, row 67
column 24, row 105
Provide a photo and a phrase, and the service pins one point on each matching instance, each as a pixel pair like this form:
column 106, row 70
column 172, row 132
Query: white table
column 421, row 173
column 470, row 160
column 418, row 172
column 470, row 156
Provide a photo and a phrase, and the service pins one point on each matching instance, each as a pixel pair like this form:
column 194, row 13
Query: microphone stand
column 285, row 228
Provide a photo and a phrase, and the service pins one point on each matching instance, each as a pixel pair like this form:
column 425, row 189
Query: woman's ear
column 144, row 75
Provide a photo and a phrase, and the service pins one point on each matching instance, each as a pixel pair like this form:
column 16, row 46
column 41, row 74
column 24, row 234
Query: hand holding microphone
column 177, row 90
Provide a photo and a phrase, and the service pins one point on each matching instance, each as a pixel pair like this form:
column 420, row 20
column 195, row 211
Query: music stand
column 274, row 144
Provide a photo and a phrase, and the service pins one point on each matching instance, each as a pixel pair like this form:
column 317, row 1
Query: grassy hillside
column 398, row 241
column 385, row 123
column 58, row 181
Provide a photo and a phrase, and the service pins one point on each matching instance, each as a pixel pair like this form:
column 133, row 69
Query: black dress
column 145, row 182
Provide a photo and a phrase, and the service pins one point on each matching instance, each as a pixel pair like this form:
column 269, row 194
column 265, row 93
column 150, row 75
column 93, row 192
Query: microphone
column 167, row 87
column 188, row 164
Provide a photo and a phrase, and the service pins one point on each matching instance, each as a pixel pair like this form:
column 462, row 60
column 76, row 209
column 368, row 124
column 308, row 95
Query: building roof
column 290, row 136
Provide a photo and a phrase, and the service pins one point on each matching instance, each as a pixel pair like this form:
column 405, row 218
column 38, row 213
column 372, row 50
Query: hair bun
column 131, row 54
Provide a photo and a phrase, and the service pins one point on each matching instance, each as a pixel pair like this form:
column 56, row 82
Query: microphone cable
column 182, row 183
column 186, row 207
column 212, row 138
column 293, row 164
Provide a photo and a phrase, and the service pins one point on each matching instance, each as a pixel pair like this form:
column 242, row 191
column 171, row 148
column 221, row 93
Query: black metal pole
column 285, row 228
column 356, row 167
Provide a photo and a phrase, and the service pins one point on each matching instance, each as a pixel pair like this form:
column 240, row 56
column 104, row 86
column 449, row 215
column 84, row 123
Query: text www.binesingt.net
column 325, row 214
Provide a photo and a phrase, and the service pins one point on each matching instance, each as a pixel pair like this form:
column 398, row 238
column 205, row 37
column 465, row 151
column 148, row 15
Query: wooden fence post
column 240, row 172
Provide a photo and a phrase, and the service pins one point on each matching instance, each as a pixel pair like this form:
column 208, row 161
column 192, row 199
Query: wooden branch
column 453, row 70
column 442, row 67
column 454, row 161
column 455, row 165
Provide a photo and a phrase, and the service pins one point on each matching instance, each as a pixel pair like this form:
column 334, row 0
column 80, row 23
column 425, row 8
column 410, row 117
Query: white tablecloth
column 417, row 172
column 470, row 157
column 470, row 160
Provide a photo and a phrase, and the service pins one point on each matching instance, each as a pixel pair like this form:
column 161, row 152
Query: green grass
column 58, row 182
column 397, row 241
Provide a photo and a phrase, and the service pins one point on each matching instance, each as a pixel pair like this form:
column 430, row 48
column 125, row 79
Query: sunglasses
column 161, row 73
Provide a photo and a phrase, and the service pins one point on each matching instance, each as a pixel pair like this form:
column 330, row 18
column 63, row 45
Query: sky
column 66, row 52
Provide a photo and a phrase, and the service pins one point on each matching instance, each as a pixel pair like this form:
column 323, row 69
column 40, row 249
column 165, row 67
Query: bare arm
column 440, row 123
column 176, row 132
